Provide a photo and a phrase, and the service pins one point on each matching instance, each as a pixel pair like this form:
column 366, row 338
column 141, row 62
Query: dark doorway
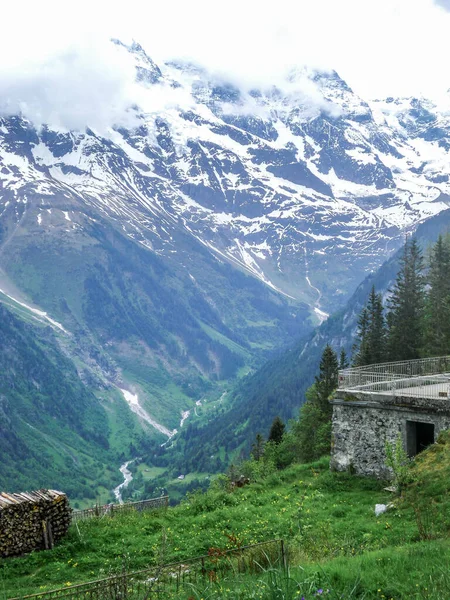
column 418, row 436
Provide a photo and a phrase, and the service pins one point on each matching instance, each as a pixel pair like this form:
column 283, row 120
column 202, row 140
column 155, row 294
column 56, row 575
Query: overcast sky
column 56, row 63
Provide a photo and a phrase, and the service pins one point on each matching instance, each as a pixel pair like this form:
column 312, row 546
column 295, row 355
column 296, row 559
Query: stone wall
column 361, row 428
column 32, row 521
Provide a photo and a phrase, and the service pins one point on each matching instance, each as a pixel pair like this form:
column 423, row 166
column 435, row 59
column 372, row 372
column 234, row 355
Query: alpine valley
column 146, row 270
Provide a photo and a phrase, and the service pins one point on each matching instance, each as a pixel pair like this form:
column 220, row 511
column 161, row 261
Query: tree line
column 412, row 322
column 308, row 437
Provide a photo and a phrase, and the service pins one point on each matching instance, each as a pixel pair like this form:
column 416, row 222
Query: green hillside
column 172, row 328
column 335, row 542
column 278, row 387
column 53, row 430
column 134, row 321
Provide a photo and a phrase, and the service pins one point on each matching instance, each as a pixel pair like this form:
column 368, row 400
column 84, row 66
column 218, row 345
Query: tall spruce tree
column 258, row 447
column 370, row 347
column 360, row 347
column 343, row 360
column 437, row 309
column 327, row 381
column 377, row 328
column 312, row 433
column 276, row 431
column 406, row 306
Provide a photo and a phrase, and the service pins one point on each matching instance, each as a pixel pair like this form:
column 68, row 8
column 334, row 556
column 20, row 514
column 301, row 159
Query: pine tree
column 343, row 360
column 437, row 310
column 312, row 433
column 406, row 306
column 258, row 447
column 327, row 381
column 370, row 347
column 360, row 348
column 377, row 328
column 276, row 431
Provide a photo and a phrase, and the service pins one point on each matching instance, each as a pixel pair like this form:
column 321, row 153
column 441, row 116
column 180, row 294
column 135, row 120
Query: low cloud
column 61, row 69
column 277, row 101
column 93, row 84
column 82, row 85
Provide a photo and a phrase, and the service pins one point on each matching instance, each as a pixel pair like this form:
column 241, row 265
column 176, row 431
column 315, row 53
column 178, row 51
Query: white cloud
column 81, row 85
column 58, row 66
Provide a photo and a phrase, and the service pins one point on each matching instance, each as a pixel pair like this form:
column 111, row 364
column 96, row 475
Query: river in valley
column 127, row 478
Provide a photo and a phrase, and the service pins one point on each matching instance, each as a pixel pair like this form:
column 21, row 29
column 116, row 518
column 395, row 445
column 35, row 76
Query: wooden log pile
column 32, row 521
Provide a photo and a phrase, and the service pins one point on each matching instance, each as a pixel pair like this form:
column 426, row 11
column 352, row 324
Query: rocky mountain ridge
column 290, row 187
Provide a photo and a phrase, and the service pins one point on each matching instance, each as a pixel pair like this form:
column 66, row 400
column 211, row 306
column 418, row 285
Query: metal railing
column 162, row 581
column 421, row 378
column 111, row 509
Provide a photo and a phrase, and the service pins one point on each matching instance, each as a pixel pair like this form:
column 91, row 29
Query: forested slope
column 278, row 388
column 53, row 430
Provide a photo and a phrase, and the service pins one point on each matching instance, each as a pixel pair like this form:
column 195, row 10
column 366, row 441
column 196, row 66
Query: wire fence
column 112, row 509
column 166, row 581
column 427, row 378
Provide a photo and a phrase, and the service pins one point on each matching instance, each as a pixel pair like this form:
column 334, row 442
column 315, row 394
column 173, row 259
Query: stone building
column 375, row 404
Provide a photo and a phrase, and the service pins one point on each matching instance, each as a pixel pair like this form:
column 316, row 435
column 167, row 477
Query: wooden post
column 283, row 554
column 45, row 534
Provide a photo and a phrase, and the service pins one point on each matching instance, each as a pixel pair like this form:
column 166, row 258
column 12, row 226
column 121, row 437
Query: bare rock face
column 32, row 521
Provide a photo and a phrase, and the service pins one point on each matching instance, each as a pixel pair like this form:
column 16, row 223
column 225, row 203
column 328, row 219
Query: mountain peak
column 147, row 71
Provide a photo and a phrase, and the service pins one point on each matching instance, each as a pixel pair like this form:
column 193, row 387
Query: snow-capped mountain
column 218, row 225
column 306, row 191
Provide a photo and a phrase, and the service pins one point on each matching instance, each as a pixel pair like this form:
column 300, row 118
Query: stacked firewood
column 32, row 521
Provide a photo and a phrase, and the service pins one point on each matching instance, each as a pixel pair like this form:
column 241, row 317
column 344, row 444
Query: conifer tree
column 437, row 310
column 360, row 348
column 258, row 447
column 327, row 381
column 343, row 360
column 377, row 328
column 276, row 431
column 406, row 306
column 370, row 347
column 312, row 433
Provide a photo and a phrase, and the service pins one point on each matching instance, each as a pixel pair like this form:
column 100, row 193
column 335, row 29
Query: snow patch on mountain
column 40, row 315
column 251, row 175
column 133, row 402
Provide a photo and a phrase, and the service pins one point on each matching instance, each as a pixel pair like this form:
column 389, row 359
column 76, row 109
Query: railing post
column 283, row 554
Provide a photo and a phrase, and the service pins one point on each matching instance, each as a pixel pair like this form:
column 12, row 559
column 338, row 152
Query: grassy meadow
column 337, row 547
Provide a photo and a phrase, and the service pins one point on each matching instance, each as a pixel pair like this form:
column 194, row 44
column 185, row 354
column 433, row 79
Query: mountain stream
column 127, row 478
